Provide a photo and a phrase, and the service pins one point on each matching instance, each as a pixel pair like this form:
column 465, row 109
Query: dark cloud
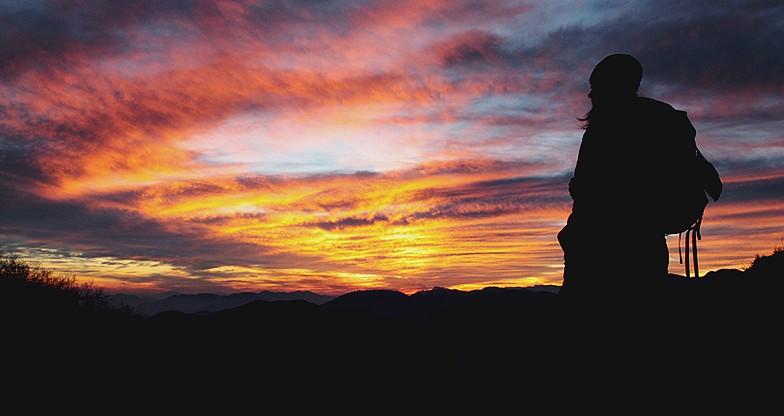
column 177, row 190
column 217, row 220
column 486, row 199
column 18, row 164
column 756, row 191
column 730, row 52
column 472, row 47
column 349, row 222
column 726, row 47
column 466, row 166
column 115, row 233
column 40, row 34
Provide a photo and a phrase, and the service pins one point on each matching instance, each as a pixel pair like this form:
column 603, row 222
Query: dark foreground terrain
column 718, row 333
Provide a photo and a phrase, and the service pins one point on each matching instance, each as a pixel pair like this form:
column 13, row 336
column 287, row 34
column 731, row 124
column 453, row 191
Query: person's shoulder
column 661, row 109
column 668, row 118
column 654, row 105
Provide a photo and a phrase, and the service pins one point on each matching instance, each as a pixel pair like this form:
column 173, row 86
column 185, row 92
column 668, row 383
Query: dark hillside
column 720, row 325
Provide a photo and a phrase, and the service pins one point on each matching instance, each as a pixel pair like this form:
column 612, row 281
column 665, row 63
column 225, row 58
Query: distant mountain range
column 365, row 342
column 757, row 279
column 202, row 303
column 208, row 302
column 765, row 273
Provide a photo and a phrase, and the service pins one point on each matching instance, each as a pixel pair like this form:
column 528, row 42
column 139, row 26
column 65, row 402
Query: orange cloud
column 431, row 224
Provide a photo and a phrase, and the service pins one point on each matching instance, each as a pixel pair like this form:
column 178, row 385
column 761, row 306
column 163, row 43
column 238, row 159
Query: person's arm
column 687, row 143
column 576, row 183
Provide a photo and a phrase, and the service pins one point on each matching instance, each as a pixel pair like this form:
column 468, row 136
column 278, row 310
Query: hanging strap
column 680, row 253
column 688, row 269
column 695, row 233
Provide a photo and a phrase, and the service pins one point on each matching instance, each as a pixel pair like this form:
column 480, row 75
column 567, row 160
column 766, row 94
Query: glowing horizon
column 221, row 146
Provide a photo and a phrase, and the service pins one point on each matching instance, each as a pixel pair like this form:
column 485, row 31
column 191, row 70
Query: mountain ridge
column 208, row 302
column 720, row 325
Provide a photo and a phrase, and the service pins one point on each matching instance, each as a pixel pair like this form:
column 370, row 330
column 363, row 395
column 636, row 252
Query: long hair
column 586, row 119
column 610, row 104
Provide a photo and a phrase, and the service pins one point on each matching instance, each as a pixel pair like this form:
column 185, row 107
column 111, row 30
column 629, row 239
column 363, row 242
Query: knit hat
column 618, row 72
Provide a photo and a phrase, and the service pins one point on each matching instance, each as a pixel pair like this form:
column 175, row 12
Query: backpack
column 698, row 180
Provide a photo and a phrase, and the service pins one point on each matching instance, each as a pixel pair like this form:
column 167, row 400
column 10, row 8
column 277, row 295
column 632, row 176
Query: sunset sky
column 222, row 146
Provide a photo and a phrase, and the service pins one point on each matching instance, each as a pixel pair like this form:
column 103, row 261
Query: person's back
column 622, row 167
column 613, row 243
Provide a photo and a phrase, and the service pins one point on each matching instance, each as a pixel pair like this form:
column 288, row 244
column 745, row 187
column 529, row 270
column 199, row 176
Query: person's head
column 614, row 78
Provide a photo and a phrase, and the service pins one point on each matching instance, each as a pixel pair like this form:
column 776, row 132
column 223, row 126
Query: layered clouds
column 334, row 146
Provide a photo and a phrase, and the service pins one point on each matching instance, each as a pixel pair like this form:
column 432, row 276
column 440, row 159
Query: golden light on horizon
column 360, row 230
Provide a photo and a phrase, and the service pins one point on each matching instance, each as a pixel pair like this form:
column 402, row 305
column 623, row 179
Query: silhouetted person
column 614, row 245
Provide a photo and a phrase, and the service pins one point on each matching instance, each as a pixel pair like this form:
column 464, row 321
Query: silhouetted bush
column 770, row 264
column 33, row 295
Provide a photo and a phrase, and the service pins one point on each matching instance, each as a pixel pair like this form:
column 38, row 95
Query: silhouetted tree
column 31, row 294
